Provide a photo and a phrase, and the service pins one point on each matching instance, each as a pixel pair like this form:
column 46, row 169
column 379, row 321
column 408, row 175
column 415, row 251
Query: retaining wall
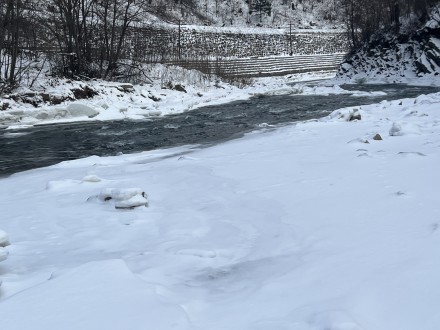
column 158, row 45
column 237, row 54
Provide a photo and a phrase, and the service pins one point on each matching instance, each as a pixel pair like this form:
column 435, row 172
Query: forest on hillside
column 86, row 38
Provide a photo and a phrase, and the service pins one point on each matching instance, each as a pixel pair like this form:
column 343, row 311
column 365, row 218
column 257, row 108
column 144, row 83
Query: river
column 45, row 145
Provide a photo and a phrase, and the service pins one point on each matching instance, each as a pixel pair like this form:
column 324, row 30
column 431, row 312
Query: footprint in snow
column 363, row 153
column 411, row 153
column 359, row 140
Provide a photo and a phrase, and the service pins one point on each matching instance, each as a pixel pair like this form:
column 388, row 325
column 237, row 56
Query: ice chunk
column 78, row 109
column 396, row 130
column 346, row 114
column 119, row 194
column 125, row 198
column 154, row 113
column 91, row 178
column 135, row 201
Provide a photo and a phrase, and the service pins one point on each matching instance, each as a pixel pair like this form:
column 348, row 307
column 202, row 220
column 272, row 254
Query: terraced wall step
column 266, row 66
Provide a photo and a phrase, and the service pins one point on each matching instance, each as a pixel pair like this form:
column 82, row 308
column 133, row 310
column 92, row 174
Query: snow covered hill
column 249, row 13
column 414, row 52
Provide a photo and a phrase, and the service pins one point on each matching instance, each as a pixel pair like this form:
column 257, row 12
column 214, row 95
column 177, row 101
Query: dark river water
column 49, row 144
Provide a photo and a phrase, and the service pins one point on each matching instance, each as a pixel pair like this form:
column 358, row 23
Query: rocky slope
column 309, row 14
column 413, row 52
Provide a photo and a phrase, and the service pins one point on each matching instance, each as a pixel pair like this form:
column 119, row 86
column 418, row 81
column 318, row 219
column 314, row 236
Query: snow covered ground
column 328, row 224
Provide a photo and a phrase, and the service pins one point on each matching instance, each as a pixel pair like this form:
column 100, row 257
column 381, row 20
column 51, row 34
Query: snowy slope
column 390, row 57
column 312, row 226
column 241, row 13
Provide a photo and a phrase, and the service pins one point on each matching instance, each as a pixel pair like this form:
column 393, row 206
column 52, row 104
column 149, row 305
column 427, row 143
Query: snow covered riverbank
column 178, row 91
column 328, row 224
column 174, row 90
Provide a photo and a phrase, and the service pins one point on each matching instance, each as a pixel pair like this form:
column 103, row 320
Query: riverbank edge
column 105, row 101
column 75, row 101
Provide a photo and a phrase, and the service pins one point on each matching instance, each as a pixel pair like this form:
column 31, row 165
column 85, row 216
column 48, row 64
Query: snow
column 256, row 30
column 4, row 240
column 91, row 178
column 388, row 59
column 436, row 42
column 3, row 254
column 396, row 130
column 331, row 90
column 95, row 295
column 235, row 15
column 311, row 226
column 124, row 198
column 143, row 101
column 78, row 109
column 407, row 77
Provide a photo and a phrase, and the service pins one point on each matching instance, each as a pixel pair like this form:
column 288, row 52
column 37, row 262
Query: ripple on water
column 171, row 126
column 11, row 135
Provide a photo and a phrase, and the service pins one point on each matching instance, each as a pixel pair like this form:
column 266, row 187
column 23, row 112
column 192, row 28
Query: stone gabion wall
column 158, row 45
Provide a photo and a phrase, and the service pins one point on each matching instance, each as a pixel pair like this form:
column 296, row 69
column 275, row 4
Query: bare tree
column 90, row 34
column 364, row 17
column 16, row 34
column 116, row 16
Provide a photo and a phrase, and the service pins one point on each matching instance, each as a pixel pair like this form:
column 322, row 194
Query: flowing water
column 45, row 145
